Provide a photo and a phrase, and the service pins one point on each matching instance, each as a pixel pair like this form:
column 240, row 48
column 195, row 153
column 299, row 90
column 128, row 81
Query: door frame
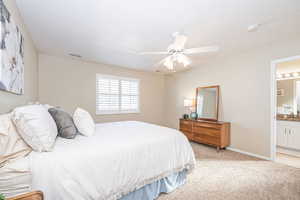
column 273, row 109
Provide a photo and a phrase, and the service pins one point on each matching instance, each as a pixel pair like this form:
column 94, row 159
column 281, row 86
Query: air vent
column 75, row 55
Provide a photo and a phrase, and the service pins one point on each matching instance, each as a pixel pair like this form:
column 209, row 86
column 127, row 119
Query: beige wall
column 7, row 100
column 70, row 83
column 245, row 93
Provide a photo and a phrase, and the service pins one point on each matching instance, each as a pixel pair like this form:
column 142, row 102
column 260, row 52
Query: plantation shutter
column 116, row 95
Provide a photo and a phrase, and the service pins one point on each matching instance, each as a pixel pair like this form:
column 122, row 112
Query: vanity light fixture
column 290, row 75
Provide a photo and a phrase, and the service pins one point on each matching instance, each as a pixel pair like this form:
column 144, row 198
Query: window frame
column 119, row 78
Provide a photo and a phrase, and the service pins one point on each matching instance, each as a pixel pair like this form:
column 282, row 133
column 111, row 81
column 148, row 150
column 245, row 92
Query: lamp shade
column 188, row 102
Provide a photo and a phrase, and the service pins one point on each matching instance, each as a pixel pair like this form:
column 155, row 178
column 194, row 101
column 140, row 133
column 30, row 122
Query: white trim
column 273, row 104
column 249, row 154
column 273, row 108
column 288, row 151
column 295, row 97
column 117, row 112
column 116, row 77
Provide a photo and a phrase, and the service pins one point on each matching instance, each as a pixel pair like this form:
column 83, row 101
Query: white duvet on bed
column 119, row 158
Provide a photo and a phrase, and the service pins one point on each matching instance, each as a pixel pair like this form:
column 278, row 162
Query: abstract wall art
column 11, row 54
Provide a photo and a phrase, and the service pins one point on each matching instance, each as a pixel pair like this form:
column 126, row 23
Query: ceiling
column 112, row 31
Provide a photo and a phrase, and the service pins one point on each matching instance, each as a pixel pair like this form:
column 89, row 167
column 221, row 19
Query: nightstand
column 36, row 195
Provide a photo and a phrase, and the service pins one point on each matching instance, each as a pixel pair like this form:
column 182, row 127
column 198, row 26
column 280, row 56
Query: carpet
column 229, row 175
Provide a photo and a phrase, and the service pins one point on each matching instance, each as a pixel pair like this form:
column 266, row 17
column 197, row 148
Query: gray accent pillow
column 64, row 122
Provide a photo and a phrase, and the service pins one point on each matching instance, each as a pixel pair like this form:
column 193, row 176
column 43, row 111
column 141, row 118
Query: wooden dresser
column 207, row 132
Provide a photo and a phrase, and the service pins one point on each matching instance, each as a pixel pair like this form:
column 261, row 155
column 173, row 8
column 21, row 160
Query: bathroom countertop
column 293, row 119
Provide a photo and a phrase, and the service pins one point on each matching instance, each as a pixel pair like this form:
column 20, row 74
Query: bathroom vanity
column 288, row 133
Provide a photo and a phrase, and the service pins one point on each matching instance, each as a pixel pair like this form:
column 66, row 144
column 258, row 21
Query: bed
column 127, row 160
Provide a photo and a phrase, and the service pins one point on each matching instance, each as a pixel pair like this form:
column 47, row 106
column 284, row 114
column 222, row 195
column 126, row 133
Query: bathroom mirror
column 288, row 97
column 207, row 102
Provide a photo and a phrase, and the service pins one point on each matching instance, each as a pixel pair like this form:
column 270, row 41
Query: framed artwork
column 11, row 54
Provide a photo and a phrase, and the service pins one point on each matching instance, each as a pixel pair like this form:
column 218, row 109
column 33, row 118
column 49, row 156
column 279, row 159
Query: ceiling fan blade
column 202, row 50
column 154, row 53
column 160, row 64
column 179, row 42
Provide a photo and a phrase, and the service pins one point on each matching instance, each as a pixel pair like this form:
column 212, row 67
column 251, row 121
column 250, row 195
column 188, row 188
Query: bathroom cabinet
column 288, row 134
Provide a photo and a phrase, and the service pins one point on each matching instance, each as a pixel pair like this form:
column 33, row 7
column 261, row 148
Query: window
column 115, row 95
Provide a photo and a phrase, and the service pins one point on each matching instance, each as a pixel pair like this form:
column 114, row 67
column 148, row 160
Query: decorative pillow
column 84, row 122
column 64, row 122
column 36, row 126
column 12, row 145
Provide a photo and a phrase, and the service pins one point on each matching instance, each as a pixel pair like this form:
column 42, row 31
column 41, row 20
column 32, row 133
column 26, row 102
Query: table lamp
column 187, row 103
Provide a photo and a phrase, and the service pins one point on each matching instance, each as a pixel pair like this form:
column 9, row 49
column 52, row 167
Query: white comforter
column 118, row 159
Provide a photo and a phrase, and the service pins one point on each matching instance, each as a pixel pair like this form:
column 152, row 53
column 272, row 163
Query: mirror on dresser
column 207, row 103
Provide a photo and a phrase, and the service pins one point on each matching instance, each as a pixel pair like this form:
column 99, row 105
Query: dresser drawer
column 186, row 125
column 207, row 131
column 206, row 139
column 207, row 125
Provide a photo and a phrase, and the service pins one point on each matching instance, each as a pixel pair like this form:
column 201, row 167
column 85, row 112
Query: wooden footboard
column 36, row 195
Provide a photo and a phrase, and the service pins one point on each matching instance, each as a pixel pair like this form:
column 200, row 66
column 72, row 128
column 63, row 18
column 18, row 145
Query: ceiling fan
column 177, row 54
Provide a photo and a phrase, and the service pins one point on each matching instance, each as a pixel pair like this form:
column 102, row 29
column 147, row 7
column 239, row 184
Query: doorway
column 285, row 111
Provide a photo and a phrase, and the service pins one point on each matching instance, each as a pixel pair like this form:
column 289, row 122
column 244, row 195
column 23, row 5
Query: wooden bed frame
column 36, row 195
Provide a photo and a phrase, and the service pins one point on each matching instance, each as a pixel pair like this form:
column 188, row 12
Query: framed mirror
column 207, row 103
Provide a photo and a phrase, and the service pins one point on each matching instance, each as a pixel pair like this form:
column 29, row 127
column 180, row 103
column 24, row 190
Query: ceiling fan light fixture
column 170, row 66
column 178, row 54
column 181, row 58
column 169, row 63
column 187, row 63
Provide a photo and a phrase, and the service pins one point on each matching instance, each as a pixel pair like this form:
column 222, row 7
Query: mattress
column 120, row 158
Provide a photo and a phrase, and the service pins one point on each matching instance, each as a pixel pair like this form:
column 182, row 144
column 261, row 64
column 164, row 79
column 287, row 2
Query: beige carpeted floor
column 292, row 161
column 233, row 176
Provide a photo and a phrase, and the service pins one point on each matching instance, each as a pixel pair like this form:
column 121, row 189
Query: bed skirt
column 153, row 190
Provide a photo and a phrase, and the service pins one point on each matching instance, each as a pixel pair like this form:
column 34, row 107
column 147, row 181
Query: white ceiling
column 110, row 31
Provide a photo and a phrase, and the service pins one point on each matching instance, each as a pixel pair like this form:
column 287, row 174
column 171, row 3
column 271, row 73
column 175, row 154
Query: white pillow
column 36, row 127
column 84, row 122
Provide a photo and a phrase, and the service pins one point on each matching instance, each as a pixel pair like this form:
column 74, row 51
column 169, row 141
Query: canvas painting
column 11, row 54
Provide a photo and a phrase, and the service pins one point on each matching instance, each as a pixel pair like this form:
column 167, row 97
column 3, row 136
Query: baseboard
column 247, row 153
column 288, row 151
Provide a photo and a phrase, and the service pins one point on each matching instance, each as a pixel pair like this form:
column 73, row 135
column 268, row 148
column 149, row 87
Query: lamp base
column 193, row 115
column 185, row 116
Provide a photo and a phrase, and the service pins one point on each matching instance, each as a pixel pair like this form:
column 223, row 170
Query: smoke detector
column 253, row 27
